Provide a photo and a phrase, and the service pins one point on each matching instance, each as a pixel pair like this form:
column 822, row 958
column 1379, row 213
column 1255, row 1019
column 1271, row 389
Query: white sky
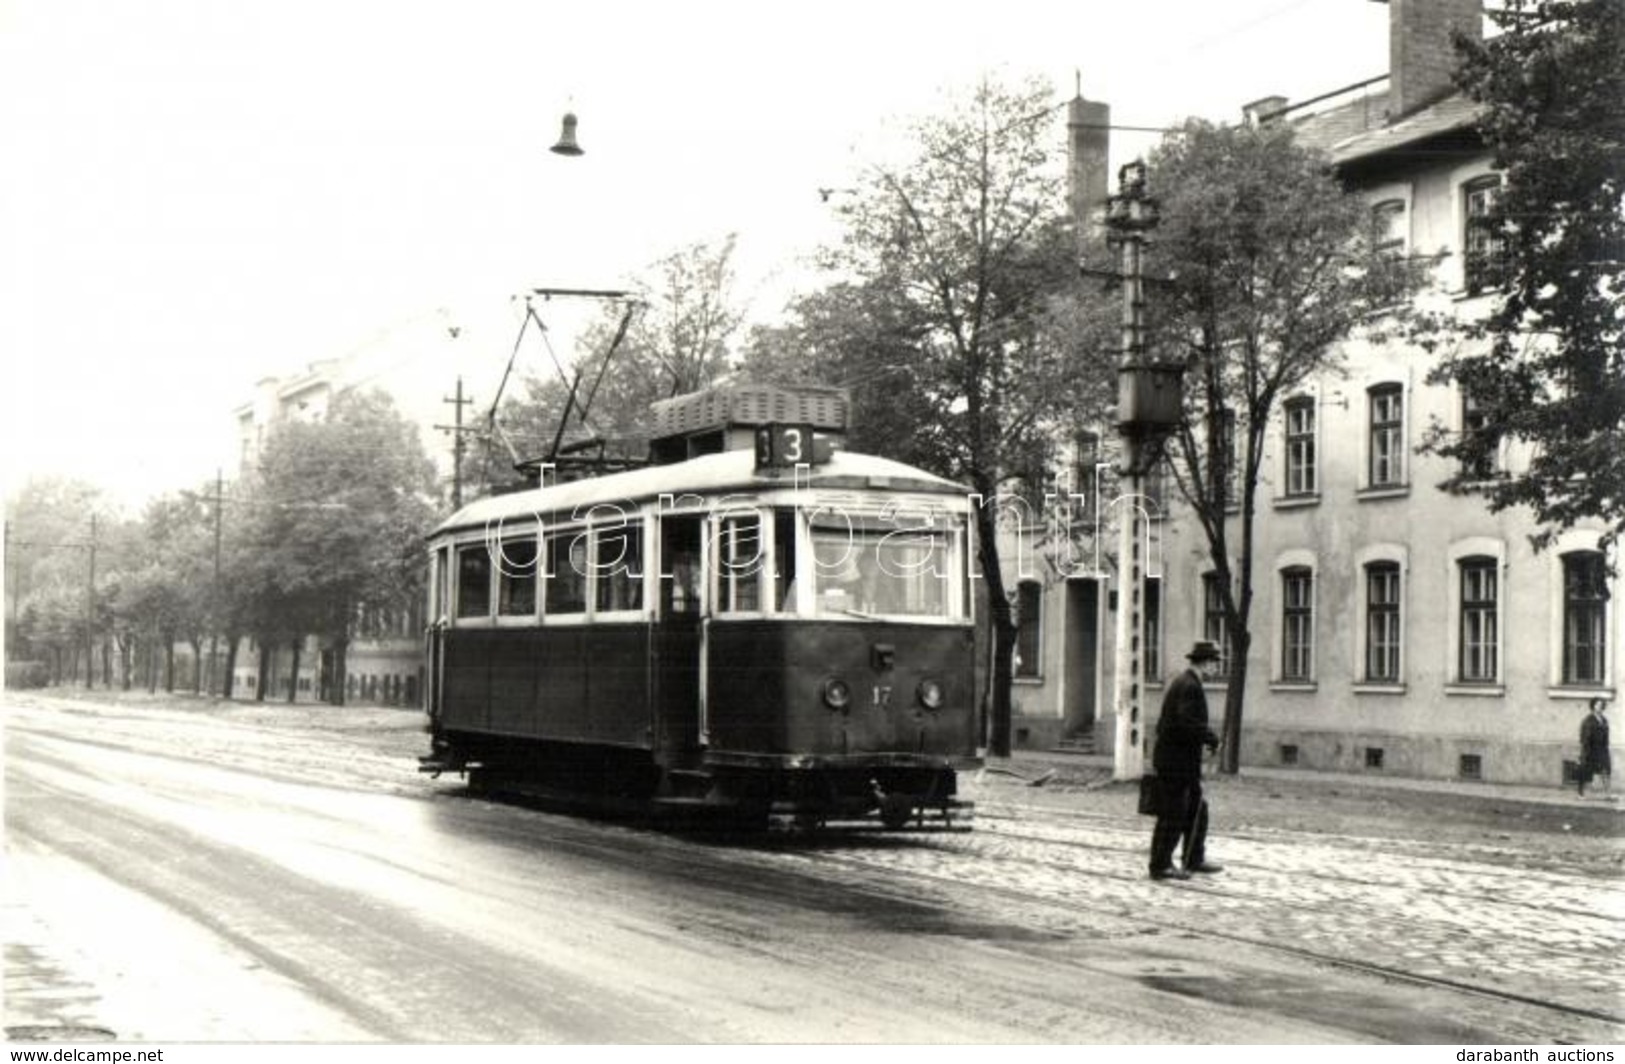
column 198, row 193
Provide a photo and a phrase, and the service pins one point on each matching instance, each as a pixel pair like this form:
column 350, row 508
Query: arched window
column 1387, row 436
column 1214, row 627
column 1297, row 623
column 1479, row 658
column 1382, row 622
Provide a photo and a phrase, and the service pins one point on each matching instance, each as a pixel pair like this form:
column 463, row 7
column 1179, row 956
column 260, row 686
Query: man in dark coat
column 1182, row 732
column 1595, row 760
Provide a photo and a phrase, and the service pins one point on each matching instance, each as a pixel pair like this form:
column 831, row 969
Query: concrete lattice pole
column 1142, row 418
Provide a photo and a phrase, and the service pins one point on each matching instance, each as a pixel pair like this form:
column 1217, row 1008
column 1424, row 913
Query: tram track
column 1170, row 921
column 886, row 868
column 1105, row 824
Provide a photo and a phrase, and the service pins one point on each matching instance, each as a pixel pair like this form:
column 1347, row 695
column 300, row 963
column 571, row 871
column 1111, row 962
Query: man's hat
column 1203, row 650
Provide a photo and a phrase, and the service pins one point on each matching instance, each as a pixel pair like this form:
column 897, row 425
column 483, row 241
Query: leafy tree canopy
column 1553, row 371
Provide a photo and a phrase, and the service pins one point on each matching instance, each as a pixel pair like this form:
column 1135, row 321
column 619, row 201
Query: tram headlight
column 930, row 694
column 837, row 695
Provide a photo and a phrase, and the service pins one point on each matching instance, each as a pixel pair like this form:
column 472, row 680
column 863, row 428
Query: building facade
column 1396, row 628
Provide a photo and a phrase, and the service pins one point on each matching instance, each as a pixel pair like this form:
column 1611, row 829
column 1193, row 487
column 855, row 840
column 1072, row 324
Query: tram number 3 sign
column 780, row 446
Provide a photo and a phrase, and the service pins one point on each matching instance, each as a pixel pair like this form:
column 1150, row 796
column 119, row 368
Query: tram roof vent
column 724, row 418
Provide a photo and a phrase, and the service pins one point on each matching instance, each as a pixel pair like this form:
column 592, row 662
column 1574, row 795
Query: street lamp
column 1148, row 410
column 567, row 137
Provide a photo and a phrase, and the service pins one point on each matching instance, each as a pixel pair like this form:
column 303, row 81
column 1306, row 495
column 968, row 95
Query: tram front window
column 863, row 573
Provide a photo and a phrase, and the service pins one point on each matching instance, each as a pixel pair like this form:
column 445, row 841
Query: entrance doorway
column 1081, row 659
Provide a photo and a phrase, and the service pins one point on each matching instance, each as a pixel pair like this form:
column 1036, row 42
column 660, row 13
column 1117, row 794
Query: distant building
column 1397, row 629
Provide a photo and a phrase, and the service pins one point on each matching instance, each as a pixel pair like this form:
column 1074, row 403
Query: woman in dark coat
column 1594, row 757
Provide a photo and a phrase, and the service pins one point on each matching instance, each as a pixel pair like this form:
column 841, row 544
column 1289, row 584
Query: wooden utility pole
column 214, row 589
column 456, row 429
column 90, row 612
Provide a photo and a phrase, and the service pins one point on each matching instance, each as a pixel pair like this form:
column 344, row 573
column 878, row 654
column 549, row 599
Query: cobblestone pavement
column 1075, row 865
column 1518, row 905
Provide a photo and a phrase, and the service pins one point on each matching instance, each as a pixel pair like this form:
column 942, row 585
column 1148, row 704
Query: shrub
column 23, row 674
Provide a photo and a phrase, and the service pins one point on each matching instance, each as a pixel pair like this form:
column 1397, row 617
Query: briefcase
column 1150, row 796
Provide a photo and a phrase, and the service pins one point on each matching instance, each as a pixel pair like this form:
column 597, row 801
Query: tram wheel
column 896, row 810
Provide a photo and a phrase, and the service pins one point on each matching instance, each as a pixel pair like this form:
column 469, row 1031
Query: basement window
column 1289, row 754
column 1471, row 767
column 1373, row 757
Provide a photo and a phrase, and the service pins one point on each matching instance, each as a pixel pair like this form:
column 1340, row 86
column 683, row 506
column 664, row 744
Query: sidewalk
column 1088, row 771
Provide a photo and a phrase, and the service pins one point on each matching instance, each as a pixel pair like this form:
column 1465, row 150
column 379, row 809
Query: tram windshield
column 861, row 572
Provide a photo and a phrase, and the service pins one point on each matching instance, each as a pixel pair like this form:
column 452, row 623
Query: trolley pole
column 1148, row 408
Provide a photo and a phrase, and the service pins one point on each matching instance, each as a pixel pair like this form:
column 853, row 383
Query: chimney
column 1420, row 56
column 1089, row 137
column 1258, row 111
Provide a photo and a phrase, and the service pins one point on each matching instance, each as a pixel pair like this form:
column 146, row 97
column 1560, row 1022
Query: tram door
column 434, row 655
column 676, row 644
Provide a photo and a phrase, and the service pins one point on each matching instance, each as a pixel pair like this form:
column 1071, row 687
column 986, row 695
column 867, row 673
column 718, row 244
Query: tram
column 758, row 622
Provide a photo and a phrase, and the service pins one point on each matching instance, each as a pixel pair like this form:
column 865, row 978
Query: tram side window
column 784, row 561
column 619, row 565
column 680, row 557
column 863, row 573
column 516, row 578
column 742, row 562
column 567, row 573
column 474, row 581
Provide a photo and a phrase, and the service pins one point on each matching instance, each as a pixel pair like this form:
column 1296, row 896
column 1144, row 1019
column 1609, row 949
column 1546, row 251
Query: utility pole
column 214, row 589
column 456, row 429
column 90, row 612
column 1148, row 409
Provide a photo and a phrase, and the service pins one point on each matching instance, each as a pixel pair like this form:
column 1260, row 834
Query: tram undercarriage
column 894, row 792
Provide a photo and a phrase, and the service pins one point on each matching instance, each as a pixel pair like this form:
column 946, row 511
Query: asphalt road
column 231, row 874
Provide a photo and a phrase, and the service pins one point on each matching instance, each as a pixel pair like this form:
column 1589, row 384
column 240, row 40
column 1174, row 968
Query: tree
column 168, row 591
column 336, row 515
column 48, row 539
column 1271, row 265
column 953, row 319
column 1553, row 372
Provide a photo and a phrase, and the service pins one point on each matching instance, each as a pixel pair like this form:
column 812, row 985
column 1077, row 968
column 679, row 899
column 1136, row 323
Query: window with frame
column 1484, row 242
column 1388, row 219
column 1215, row 628
column 473, row 581
column 1154, row 485
column 1086, row 457
column 784, row 561
column 1029, row 620
column 516, row 578
column 1387, row 435
column 1297, row 623
column 618, row 569
column 1153, row 629
column 1232, row 471
column 869, row 568
column 1300, row 446
column 1585, row 615
column 741, row 561
column 1475, row 429
column 566, row 572
column 1382, row 622
column 1480, row 620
